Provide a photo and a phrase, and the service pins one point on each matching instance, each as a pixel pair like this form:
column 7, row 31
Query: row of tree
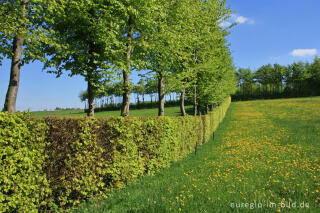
column 180, row 42
column 274, row 81
column 113, row 92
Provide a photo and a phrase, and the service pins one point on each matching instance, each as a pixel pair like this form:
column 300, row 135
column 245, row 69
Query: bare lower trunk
column 12, row 93
column 195, row 107
column 161, row 95
column 182, row 109
column 126, row 95
column 126, row 73
column 90, row 112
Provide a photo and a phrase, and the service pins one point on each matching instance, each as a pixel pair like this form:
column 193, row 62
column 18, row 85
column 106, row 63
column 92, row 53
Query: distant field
column 169, row 111
column 265, row 157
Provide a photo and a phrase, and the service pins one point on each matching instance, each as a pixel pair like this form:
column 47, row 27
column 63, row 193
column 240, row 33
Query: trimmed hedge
column 23, row 183
column 56, row 163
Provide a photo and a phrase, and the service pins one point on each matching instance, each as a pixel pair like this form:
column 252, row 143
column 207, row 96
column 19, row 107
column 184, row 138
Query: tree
column 212, row 75
column 246, row 81
column 135, row 20
column 313, row 71
column 86, row 32
column 22, row 25
column 151, row 87
column 140, row 88
column 204, row 53
column 164, row 39
column 271, row 78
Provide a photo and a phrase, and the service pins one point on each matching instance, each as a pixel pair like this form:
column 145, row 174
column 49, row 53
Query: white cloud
column 304, row 52
column 241, row 19
column 237, row 19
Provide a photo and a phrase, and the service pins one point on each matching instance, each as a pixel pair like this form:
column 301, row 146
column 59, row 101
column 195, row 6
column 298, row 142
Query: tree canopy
column 180, row 42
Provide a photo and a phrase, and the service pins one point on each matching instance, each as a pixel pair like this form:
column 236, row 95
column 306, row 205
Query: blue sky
column 268, row 31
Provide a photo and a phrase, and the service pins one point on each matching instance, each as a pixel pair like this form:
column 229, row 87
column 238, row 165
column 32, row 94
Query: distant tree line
column 181, row 43
column 298, row 79
column 144, row 93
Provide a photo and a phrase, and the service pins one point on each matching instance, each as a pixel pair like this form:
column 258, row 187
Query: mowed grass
column 265, row 157
column 169, row 111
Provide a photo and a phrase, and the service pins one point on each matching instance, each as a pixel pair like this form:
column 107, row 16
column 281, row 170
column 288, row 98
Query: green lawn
column 265, row 157
column 169, row 111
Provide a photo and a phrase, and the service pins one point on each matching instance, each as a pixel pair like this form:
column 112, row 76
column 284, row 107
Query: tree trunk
column 126, row 72
column 126, row 95
column 11, row 97
column 161, row 94
column 92, row 67
column 90, row 112
column 182, row 109
column 195, row 101
column 16, row 63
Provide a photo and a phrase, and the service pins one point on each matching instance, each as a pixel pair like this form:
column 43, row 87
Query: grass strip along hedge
column 55, row 163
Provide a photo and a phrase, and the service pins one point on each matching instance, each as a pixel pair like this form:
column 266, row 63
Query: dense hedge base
column 56, row 163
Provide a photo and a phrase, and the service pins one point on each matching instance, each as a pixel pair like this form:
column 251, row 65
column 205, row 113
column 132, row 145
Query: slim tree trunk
column 126, row 95
column 126, row 72
column 92, row 67
column 182, row 109
column 11, row 97
column 16, row 63
column 90, row 112
column 161, row 94
column 195, row 107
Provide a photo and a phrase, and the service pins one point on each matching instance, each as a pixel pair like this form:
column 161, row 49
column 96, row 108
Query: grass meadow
column 265, row 157
column 169, row 111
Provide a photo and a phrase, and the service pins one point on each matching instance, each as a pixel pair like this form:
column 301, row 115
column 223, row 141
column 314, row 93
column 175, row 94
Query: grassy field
column 265, row 157
column 169, row 111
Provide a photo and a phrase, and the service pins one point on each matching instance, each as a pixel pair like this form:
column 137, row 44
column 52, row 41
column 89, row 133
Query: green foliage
column 89, row 157
column 76, row 167
column 55, row 163
column 25, row 19
column 23, row 184
column 125, row 164
column 276, row 81
column 209, row 69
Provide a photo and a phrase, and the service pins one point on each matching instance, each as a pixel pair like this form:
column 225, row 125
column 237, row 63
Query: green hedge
column 56, row 163
column 23, row 183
